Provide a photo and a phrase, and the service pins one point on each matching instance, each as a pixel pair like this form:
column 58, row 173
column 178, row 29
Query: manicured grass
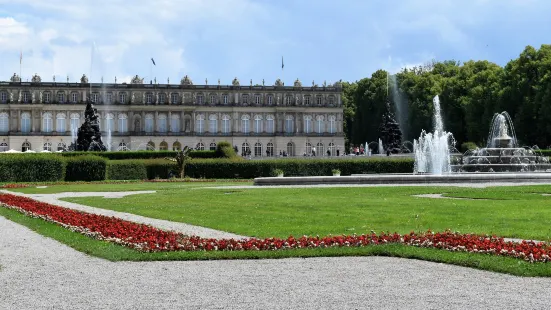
column 517, row 212
column 114, row 252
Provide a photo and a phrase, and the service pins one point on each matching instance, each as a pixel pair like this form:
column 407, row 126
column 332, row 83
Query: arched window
column 200, row 146
column 332, row 124
column 176, row 146
column 308, row 149
column 109, row 122
column 26, row 146
column 212, row 146
column 226, row 127
column 122, row 147
column 174, row 98
column 288, row 100
column 258, row 124
column 320, row 126
column 25, row 122
column 95, row 97
column 257, row 149
column 162, row 98
column 163, row 146
column 46, row 97
column 320, row 149
column 61, row 146
column 60, row 122
column 162, row 123
column 225, row 99
column 200, row 99
column 47, row 122
column 289, row 124
column 26, row 97
column 270, row 124
column 307, row 123
column 175, row 123
column 4, row 122
column 148, row 98
column 61, row 97
column 213, row 123
column 245, row 120
column 332, row 149
column 3, row 147
column 270, row 149
column 74, row 97
column 122, row 97
column 150, row 146
column 75, row 122
column 290, row 149
column 245, row 149
column 149, row 123
column 270, row 99
column 123, row 123
column 47, row 146
column 200, row 124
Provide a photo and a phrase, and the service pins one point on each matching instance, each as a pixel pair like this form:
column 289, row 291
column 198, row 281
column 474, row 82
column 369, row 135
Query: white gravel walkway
column 40, row 273
column 184, row 228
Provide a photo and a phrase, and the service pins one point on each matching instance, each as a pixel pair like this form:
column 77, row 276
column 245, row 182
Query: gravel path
column 184, row 228
column 41, row 273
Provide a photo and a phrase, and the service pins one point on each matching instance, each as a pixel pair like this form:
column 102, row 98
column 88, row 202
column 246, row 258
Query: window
column 332, row 149
column 245, row 149
column 95, row 97
column 176, row 146
column 270, row 149
column 213, row 123
column 270, row 99
column 163, row 146
column 257, row 99
column 212, row 99
column 123, row 147
column 331, row 100
column 318, row 100
column 47, row 122
column 226, row 124
column 307, row 123
column 26, row 146
column 200, row 146
column 289, row 124
column 3, row 97
column 175, row 123
column 162, row 98
column 148, row 98
column 46, row 97
column 149, row 123
column 174, row 98
column 199, row 99
column 4, row 122
column 245, row 99
column 61, row 146
column 60, row 122
column 26, row 97
column 75, row 122
column 225, row 98
column 320, row 149
column 3, row 147
column 288, row 100
column 123, row 123
column 212, row 146
column 108, row 98
column 109, row 122
column 290, row 149
column 150, row 146
column 74, row 97
column 320, row 124
column 60, row 97
column 122, row 97
column 200, row 124
column 25, row 122
column 270, row 124
column 47, row 146
column 258, row 124
column 245, row 119
column 162, row 124
column 257, row 149
column 307, row 100
column 332, row 124
column 308, row 149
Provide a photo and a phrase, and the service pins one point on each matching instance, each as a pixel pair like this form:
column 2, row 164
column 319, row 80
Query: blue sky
column 222, row 39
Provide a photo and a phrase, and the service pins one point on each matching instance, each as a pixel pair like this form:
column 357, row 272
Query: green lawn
column 518, row 212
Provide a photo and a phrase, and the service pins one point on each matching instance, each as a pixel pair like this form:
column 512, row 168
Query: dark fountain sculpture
column 390, row 132
column 89, row 134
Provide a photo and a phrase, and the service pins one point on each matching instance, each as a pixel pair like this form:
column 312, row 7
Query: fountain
column 380, row 148
column 89, row 134
column 391, row 135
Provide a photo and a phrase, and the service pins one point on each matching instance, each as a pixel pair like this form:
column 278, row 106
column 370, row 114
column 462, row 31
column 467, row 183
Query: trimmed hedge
column 119, row 155
column 160, row 168
column 126, row 170
column 85, row 168
column 31, row 168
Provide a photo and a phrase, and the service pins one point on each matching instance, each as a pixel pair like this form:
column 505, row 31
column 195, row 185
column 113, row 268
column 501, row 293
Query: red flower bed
column 151, row 239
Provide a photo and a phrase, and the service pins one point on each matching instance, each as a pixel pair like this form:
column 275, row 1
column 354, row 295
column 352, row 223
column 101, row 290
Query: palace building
column 259, row 119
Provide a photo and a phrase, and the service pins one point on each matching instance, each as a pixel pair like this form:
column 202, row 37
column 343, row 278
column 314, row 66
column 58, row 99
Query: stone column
column 169, row 121
column 155, row 129
column 183, row 122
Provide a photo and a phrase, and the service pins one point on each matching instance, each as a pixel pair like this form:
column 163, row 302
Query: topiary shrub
column 126, row 170
column 31, row 168
column 85, row 168
column 224, row 149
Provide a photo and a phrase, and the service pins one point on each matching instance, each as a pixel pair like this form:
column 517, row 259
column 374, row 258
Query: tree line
column 470, row 93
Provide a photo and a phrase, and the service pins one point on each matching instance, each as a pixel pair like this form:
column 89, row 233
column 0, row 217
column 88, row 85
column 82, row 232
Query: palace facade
column 259, row 119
